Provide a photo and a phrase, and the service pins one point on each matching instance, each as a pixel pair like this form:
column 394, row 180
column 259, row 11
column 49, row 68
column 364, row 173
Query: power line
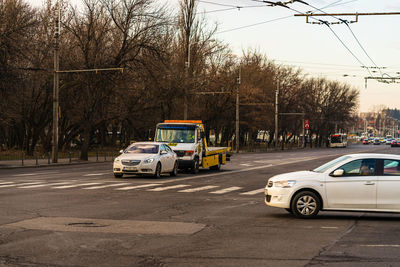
column 321, row 21
column 348, row 26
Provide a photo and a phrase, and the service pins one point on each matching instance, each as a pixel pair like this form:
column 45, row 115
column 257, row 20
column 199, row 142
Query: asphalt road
column 81, row 215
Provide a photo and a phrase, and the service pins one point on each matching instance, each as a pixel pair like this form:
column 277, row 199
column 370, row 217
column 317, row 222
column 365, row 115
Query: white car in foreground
column 356, row 182
column 146, row 158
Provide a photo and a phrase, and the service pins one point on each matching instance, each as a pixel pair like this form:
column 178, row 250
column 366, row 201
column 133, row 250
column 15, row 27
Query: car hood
column 138, row 156
column 299, row 175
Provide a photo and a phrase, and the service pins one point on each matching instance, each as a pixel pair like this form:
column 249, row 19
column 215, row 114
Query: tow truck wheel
column 216, row 167
column 195, row 168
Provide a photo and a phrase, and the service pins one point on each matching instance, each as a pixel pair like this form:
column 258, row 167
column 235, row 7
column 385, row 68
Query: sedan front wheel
column 305, row 204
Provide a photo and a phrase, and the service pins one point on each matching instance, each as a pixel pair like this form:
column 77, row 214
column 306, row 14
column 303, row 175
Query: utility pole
column 185, row 98
column 56, row 83
column 276, row 114
column 237, row 109
column 54, row 147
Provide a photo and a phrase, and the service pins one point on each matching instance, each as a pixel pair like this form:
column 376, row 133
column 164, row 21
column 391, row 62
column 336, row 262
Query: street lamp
column 185, row 100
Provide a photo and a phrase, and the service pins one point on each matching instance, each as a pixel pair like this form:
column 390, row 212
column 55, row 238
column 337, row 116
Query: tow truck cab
column 187, row 139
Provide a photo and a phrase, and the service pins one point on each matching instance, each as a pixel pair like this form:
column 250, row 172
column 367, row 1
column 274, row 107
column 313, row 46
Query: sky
column 337, row 53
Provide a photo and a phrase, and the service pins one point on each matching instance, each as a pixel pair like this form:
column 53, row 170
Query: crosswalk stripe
column 42, row 185
column 158, row 189
column 104, row 186
column 11, row 185
column 226, row 190
column 6, row 183
column 254, row 192
column 95, row 174
column 31, row 183
column 74, row 185
column 136, row 186
column 198, row 189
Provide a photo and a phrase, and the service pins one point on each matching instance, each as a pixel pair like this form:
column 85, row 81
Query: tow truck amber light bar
column 183, row 121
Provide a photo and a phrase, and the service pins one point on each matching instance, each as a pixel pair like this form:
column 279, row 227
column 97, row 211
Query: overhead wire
column 348, row 26
column 319, row 20
column 280, row 18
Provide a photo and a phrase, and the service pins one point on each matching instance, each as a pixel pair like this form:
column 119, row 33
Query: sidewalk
column 29, row 163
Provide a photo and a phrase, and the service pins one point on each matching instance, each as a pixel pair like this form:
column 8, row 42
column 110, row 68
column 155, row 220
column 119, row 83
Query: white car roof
column 374, row 155
column 147, row 143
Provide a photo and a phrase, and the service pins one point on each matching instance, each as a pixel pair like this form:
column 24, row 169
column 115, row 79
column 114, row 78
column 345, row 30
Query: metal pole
column 276, row 114
column 54, row 149
column 237, row 110
column 185, row 98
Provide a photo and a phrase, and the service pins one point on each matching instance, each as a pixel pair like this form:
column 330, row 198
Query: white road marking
column 6, row 183
column 95, row 174
column 158, row 189
column 136, row 186
column 329, row 227
column 104, row 186
column 11, row 185
column 254, row 192
column 32, row 174
column 226, row 190
column 42, row 185
column 383, row 246
column 198, row 189
column 31, row 183
column 74, row 185
column 246, row 164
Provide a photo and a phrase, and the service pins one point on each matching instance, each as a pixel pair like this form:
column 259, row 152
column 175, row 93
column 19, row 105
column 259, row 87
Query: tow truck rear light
column 189, row 152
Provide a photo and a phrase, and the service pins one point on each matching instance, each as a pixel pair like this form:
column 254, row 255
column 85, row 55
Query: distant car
column 151, row 158
column 389, row 141
column 355, row 182
column 395, row 143
column 377, row 141
column 365, row 141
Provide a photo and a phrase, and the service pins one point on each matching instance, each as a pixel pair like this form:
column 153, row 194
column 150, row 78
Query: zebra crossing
column 126, row 186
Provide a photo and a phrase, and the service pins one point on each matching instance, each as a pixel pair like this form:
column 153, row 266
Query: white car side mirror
column 121, row 151
column 338, row 172
column 163, row 152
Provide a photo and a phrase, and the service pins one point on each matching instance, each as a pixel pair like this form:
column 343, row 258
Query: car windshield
column 142, row 148
column 330, row 164
column 176, row 134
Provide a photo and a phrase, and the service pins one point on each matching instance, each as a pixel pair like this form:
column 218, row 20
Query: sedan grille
column 130, row 162
column 270, row 183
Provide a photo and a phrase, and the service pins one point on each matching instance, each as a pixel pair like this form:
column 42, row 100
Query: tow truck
column 187, row 139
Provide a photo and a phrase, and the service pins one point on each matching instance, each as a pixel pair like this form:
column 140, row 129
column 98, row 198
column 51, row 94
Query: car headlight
column 285, row 183
column 148, row 160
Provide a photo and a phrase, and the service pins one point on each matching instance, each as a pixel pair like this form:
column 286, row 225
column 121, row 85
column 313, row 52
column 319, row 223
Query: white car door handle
column 369, row 183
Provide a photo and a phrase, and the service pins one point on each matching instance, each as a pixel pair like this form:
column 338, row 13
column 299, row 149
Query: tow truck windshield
column 175, row 134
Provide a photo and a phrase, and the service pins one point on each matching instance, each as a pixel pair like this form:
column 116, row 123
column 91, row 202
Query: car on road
column 365, row 141
column 395, row 143
column 146, row 158
column 377, row 141
column 354, row 182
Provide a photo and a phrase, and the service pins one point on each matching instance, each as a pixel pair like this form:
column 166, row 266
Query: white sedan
column 146, row 158
column 356, row 182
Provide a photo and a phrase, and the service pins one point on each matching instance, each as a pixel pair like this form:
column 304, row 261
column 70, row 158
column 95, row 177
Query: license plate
column 130, row 168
